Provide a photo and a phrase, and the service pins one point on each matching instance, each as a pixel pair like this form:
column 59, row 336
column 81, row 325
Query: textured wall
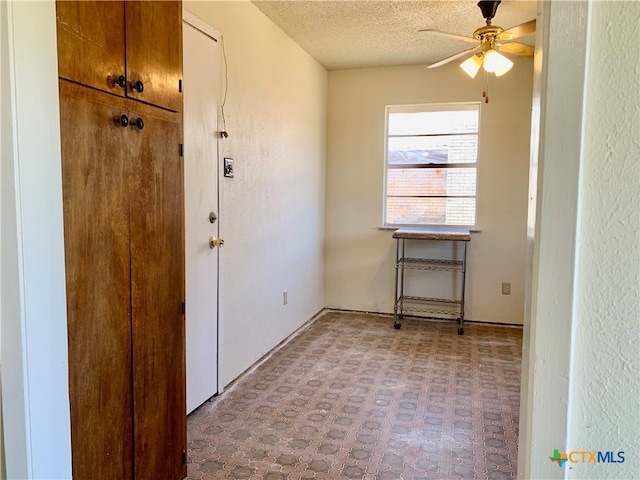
column 272, row 212
column 359, row 257
column 605, row 380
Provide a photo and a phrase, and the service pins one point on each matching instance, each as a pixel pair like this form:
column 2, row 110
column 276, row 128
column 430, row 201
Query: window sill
column 472, row 229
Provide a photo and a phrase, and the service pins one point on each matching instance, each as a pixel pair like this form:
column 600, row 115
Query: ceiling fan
column 489, row 39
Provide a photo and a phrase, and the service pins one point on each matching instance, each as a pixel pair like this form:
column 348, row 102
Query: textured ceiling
column 362, row 33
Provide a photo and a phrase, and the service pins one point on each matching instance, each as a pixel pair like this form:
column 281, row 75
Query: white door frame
column 199, row 24
column 35, row 385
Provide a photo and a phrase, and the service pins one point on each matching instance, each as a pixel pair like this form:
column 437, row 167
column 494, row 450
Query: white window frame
column 429, row 107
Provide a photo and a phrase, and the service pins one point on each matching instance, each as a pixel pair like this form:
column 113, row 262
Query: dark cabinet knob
column 122, row 120
column 119, row 81
column 138, row 86
column 138, row 123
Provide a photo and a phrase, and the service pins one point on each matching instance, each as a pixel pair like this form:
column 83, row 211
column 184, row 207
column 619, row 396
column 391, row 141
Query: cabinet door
column 154, row 51
column 157, row 284
column 95, row 186
column 91, row 43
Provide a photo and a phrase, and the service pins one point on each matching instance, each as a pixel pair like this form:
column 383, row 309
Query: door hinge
column 182, row 149
column 182, row 308
column 184, row 457
column 180, row 85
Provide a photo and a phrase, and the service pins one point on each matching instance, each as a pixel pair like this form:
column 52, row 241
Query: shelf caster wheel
column 460, row 330
column 397, row 326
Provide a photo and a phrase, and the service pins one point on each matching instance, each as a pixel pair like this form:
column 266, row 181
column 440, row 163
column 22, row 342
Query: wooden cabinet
column 124, row 252
column 154, row 51
column 140, row 41
column 156, row 208
column 95, row 173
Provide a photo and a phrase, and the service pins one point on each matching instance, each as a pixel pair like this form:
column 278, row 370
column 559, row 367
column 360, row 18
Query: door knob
column 118, row 81
column 215, row 242
column 122, row 120
column 138, row 86
column 138, row 123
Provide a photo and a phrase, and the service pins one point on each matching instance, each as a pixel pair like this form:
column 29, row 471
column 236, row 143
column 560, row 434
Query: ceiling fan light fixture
column 496, row 63
column 471, row 65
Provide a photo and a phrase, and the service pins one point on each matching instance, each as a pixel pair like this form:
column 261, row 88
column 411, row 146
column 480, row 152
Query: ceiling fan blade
column 518, row 31
column 516, row 48
column 447, row 34
column 453, row 57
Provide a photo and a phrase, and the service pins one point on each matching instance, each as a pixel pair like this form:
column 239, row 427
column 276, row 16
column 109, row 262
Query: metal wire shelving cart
column 444, row 308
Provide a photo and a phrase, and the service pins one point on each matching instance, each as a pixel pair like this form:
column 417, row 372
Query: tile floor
column 352, row 398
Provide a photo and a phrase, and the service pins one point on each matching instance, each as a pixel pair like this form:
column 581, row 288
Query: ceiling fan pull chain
column 485, row 93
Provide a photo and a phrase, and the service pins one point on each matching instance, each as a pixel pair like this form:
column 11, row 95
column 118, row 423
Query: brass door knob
column 215, row 242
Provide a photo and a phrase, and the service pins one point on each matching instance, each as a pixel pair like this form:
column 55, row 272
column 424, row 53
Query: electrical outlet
column 506, row 288
column 285, row 297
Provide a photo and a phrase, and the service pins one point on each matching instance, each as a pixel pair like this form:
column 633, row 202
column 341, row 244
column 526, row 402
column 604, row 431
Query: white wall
column 272, row 212
column 359, row 256
column 605, row 375
column 555, row 161
column 3, row 70
column 35, row 393
column 581, row 381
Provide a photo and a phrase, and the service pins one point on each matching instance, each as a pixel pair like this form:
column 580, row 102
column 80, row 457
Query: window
column 431, row 164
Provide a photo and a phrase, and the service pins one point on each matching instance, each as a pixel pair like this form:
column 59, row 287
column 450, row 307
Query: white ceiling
column 363, row 33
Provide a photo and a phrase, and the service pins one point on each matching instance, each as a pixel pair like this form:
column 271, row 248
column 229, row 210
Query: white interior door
column 201, row 94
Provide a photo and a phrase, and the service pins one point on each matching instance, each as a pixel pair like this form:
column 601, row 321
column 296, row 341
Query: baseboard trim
column 428, row 319
column 231, row 385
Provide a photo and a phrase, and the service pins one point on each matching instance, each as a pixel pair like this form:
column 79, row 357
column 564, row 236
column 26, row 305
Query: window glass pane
column 431, row 181
column 430, row 211
column 461, row 211
column 425, row 150
column 415, row 123
column 412, row 211
column 421, row 140
column 461, row 181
